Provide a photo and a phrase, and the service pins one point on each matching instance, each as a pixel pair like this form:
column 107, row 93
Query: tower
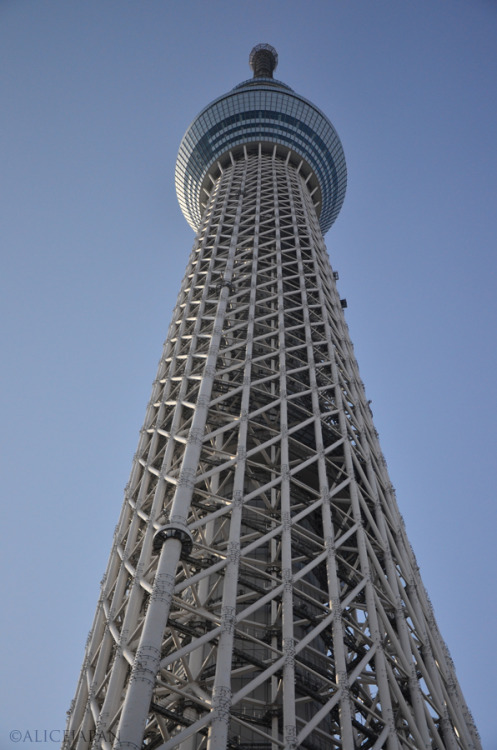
column 261, row 592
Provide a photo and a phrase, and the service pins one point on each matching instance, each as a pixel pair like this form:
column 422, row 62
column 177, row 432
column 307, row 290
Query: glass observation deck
column 262, row 110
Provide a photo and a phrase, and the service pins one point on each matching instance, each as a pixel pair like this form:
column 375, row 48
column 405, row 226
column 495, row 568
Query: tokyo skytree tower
column 261, row 592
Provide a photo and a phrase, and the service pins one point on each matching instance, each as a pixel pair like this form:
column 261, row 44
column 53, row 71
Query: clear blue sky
column 95, row 97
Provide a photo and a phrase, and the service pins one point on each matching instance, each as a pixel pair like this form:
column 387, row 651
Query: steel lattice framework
column 261, row 592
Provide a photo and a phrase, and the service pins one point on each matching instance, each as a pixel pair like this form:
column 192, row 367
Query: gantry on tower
column 261, row 593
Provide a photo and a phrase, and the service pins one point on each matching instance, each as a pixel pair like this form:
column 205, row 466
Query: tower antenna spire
column 263, row 60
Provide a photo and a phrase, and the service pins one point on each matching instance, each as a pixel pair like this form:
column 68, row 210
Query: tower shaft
column 261, row 592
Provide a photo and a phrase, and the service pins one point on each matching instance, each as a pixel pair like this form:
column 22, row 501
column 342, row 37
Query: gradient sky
column 94, row 99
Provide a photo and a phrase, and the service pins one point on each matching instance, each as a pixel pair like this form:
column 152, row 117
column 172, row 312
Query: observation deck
column 262, row 111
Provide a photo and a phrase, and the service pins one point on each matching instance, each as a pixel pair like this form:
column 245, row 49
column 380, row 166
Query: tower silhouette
column 261, row 592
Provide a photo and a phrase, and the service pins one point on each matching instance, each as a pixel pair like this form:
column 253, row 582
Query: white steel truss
column 261, row 593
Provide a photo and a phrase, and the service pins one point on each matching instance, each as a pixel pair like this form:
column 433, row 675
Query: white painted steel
column 298, row 619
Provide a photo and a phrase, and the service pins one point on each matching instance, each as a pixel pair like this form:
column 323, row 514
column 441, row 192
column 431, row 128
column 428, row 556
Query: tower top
column 261, row 113
column 263, row 60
